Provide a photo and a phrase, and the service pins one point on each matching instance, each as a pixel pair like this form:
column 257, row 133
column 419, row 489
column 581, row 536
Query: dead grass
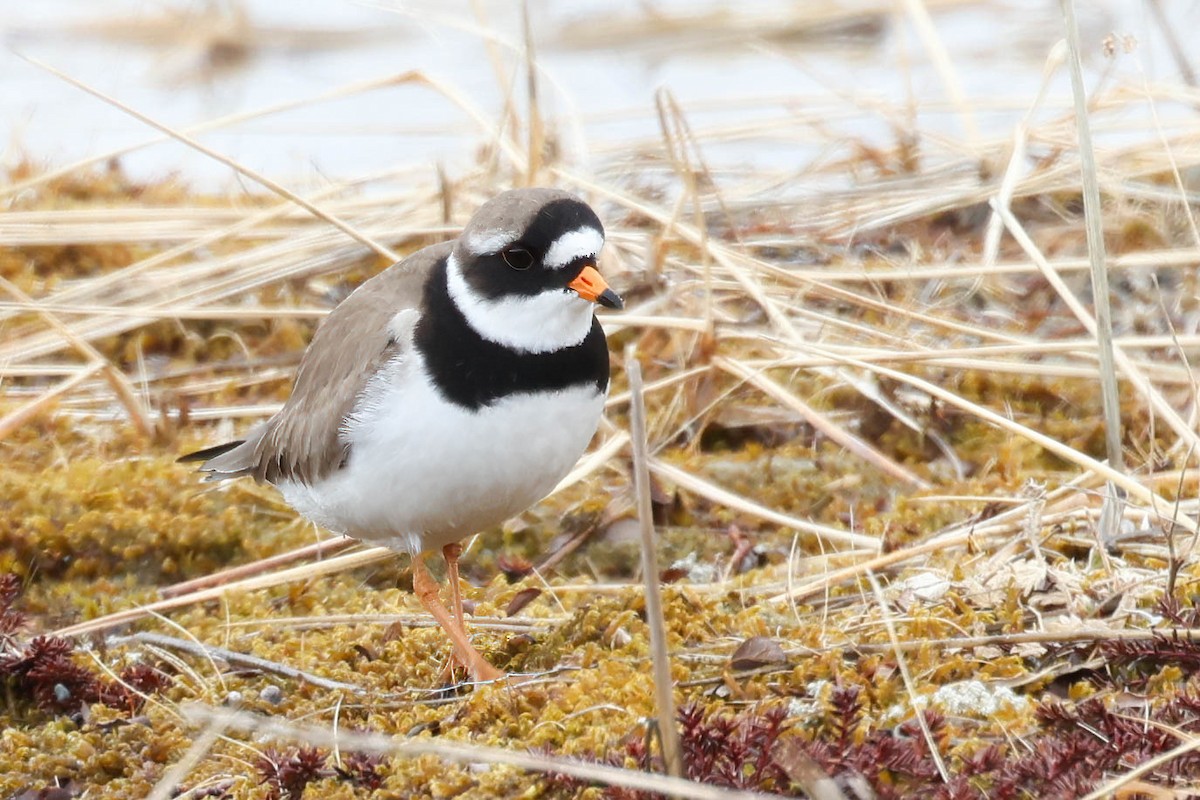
column 874, row 433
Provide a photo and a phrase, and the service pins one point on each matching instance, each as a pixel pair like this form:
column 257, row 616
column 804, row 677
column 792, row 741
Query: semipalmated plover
column 446, row 394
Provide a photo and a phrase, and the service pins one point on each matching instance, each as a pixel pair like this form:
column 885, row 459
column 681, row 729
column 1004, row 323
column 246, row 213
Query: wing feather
column 305, row 440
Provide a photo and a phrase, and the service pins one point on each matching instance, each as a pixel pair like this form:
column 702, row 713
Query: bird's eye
column 517, row 257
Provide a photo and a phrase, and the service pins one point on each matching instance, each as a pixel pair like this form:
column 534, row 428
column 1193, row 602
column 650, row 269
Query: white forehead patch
column 576, row 244
column 484, row 243
column 540, row 323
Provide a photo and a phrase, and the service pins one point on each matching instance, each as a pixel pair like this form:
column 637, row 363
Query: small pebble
column 233, row 699
column 271, row 694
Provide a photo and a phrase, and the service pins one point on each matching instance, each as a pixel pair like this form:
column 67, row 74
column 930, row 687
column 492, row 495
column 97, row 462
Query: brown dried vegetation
column 845, row 392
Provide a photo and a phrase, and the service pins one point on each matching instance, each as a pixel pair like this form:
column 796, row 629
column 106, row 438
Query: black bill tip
column 610, row 299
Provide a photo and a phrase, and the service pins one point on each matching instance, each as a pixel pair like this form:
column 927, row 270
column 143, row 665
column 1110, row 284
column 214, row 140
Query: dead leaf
column 394, row 632
column 514, row 567
column 757, row 651
column 672, row 574
column 521, row 599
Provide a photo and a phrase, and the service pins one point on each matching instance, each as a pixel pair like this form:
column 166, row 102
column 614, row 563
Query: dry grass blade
column 1134, row 488
column 1113, row 787
column 909, row 685
column 716, row 494
column 1002, row 527
column 168, row 785
column 462, row 753
column 116, row 379
column 1153, row 397
column 254, row 175
column 139, row 286
column 918, row 12
column 1101, row 298
column 534, row 121
column 1056, row 637
column 18, row 417
column 320, row 549
column 821, row 422
column 869, row 362
column 970, row 269
column 664, row 685
column 308, row 571
column 78, row 167
column 1170, row 34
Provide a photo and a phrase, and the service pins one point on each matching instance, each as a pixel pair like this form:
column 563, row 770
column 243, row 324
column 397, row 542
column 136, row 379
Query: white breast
column 424, row 472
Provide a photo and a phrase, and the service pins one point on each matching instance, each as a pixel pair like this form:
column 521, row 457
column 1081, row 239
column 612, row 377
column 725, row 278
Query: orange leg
column 451, row 553
column 426, row 589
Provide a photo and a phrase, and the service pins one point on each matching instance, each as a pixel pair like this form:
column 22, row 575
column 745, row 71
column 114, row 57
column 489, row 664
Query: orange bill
column 590, row 285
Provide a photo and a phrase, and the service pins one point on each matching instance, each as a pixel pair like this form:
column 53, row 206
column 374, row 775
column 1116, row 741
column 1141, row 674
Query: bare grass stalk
column 1100, row 294
column 664, row 684
column 461, row 753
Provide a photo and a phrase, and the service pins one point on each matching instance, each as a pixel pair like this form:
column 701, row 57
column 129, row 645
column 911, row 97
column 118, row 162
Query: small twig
column 663, row 685
column 1058, row 638
column 231, row 657
column 551, row 561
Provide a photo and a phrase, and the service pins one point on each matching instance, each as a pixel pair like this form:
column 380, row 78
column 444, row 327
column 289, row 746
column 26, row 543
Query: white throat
column 552, row 320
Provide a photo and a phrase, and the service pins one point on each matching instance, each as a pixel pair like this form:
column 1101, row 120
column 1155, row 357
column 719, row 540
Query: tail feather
column 209, row 452
column 229, row 460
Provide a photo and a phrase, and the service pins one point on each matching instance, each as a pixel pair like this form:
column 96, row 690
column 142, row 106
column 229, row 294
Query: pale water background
column 602, row 96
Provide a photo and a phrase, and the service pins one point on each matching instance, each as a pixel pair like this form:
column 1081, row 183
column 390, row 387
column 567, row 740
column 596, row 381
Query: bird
column 446, row 394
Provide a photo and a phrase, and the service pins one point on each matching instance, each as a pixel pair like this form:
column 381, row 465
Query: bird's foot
column 456, row 672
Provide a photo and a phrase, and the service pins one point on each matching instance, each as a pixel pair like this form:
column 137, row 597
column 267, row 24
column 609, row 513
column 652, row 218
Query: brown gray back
column 303, row 441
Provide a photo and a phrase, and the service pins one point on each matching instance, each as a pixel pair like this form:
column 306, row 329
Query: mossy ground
column 95, row 519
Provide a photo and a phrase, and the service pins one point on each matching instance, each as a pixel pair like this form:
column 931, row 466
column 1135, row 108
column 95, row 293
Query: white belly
column 424, row 472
